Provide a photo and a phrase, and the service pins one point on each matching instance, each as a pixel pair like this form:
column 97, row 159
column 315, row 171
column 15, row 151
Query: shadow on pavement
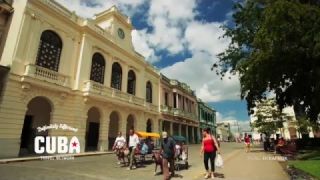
column 257, row 150
column 177, row 176
column 218, row 175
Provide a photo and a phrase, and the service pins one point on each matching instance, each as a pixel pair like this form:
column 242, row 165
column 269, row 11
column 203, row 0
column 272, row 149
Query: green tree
column 275, row 47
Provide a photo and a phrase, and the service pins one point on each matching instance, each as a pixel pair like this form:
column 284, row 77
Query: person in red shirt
column 209, row 148
column 247, row 142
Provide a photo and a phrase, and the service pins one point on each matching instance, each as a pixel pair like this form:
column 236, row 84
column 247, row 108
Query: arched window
column 97, row 68
column 131, row 82
column 49, row 50
column 116, row 76
column 149, row 92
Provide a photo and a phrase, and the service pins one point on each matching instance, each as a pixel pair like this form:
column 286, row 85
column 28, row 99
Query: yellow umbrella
column 148, row 134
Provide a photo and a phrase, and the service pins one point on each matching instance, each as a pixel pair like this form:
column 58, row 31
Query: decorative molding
column 32, row 92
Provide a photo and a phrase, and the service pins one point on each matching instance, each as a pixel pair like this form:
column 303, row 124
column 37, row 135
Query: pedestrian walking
column 247, row 142
column 168, row 152
column 119, row 146
column 208, row 149
column 133, row 142
column 264, row 141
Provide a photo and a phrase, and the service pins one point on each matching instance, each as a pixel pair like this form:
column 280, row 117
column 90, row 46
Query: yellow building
column 80, row 72
column 179, row 109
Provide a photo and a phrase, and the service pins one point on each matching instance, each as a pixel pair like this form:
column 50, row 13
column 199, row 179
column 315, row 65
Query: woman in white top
column 119, row 146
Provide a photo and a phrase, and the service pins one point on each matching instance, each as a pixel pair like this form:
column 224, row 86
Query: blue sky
column 182, row 39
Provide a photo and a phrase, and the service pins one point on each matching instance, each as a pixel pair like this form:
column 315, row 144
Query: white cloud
column 141, row 45
column 196, row 71
column 87, row 8
column 206, row 37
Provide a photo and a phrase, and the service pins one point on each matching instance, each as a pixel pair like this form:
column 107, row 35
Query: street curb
column 37, row 158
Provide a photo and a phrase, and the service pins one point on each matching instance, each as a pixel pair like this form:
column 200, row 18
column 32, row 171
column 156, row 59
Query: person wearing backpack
column 208, row 149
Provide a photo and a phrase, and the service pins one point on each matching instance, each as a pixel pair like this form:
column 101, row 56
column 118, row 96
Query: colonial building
column 223, row 131
column 179, row 109
column 6, row 11
column 80, row 72
column 207, row 116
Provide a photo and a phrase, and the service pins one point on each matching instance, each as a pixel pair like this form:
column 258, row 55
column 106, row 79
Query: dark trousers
column 265, row 146
column 206, row 157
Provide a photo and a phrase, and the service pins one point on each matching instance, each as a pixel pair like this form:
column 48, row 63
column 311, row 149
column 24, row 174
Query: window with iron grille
column 49, row 50
column 116, row 76
column 131, row 89
column 97, row 68
column 149, row 92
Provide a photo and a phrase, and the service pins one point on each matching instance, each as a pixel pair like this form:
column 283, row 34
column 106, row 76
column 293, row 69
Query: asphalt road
column 102, row 167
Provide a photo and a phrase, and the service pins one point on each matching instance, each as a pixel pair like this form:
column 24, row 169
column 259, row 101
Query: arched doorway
column 113, row 128
column 149, row 126
column 92, row 129
column 130, row 125
column 38, row 114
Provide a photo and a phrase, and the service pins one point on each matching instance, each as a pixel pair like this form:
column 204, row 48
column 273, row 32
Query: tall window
column 116, row 76
column 149, row 92
column 166, row 99
column 49, row 50
column 131, row 82
column 97, row 68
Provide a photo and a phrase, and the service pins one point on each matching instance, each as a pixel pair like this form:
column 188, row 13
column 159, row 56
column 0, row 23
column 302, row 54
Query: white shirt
column 120, row 142
column 264, row 138
column 133, row 140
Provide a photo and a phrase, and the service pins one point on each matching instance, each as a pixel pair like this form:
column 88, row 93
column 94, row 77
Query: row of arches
column 49, row 52
column 38, row 114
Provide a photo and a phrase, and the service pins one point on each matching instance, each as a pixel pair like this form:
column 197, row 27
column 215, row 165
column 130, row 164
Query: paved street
column 238, row 165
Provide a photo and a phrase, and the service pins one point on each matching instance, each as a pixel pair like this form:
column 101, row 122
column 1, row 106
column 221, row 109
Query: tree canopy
column 275, row 47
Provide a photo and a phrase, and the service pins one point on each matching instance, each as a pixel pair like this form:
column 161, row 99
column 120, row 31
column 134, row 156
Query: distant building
column 178, row 109
column 207, row 116
column 290, row 126
column 223, row 131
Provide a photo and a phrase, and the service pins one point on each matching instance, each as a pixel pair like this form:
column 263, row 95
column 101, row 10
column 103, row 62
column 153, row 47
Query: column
column 108, row 71
column 124, row 82
column 192, row 133
column 187, row 134
column 177, row 100
column 103, row 131
column 171, row 128
column 179, row 125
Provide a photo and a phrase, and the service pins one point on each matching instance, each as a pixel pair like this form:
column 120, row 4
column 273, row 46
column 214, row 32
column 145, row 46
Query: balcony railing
column 151, row 107
column 45, row 74
column 136, row 100
column 100, row 89
column 177, row 112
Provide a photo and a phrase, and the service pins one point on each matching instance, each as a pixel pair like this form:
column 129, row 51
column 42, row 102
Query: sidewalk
column 255, row 165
